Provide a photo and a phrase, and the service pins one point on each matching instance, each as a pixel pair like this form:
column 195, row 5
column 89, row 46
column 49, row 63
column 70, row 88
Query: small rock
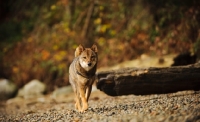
column 62, row 91
column 32, row 89
column 7, row 89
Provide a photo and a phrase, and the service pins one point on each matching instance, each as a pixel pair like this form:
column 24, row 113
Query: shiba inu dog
column 82, row 75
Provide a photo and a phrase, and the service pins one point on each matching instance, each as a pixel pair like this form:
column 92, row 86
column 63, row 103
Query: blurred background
column 38, row 38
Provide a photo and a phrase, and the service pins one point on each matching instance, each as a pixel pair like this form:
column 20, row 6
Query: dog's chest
column 86, row 81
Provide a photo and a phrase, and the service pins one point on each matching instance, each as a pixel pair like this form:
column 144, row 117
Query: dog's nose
column 89, row 64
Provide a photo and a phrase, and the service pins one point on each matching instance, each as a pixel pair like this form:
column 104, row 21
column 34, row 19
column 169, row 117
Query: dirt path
column 181, row 106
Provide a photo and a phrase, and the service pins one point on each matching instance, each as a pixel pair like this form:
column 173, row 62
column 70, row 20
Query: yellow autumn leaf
column 60, row 55
column 101, row 41
column 57, row 57
column 103, row 28
column 101, row 7
column 53, row 7
column 62, row 66
column 67, row 30
column 55, row 47
column 63, row 53
column 74, row 46
column 112, row 32
column 97, row 21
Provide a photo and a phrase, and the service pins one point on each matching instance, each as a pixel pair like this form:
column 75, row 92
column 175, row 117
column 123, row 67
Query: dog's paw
column 83, row 111
column 77, row 106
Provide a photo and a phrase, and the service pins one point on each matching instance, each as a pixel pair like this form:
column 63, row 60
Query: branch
column 87, row 20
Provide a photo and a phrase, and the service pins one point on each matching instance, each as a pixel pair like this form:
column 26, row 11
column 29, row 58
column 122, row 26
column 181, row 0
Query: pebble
column 164, row 107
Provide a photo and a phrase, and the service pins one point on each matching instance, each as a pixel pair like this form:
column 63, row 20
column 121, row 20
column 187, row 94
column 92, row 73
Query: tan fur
column 82, row 75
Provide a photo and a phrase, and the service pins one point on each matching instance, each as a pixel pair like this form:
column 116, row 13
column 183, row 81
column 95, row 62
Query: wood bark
column 143, row 81
column 87, row 20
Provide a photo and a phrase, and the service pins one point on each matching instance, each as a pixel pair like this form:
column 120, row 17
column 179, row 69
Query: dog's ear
column 94, row 48
column 79, row 50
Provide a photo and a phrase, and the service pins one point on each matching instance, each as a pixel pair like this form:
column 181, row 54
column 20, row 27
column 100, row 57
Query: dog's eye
column 92, row 56
column 84, row 57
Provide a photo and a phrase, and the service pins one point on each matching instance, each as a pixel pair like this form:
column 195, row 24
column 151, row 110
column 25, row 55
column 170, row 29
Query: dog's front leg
column 77, row 94
column 88, row 91
column 78, row 101
column 83, row 99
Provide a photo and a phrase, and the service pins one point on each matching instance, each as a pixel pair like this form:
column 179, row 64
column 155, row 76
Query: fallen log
column 143, row 81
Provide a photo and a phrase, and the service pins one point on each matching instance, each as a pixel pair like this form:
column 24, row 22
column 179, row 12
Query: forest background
column 38, row 38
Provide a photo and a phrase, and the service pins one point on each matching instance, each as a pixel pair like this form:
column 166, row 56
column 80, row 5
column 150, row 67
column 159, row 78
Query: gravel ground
column 174, row 107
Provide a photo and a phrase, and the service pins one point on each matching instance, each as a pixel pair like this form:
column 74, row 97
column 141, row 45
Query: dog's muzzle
column 89, row 64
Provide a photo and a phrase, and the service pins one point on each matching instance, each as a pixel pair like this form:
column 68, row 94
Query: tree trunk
column 143, row 81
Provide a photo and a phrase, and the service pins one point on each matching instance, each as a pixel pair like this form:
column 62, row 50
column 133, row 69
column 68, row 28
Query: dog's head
column 87, row 56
